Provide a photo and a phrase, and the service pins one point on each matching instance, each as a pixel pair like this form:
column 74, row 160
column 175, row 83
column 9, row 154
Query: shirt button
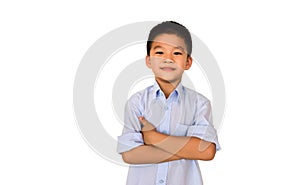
column 161, row 181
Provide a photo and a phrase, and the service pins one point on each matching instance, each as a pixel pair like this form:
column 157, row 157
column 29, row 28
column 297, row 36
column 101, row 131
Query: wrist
column 149, row 136
column 156, row 138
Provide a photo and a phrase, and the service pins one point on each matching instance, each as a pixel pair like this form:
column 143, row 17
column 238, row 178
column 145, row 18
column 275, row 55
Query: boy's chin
column 168, row 80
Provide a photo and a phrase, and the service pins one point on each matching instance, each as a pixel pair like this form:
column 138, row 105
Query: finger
column 143, row 120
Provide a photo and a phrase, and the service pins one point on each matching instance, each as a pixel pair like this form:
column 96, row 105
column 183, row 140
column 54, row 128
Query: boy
column 167, row 126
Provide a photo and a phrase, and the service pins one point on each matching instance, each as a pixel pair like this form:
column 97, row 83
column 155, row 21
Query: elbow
column 209, row 157
column 209, row 153
column 127, row 158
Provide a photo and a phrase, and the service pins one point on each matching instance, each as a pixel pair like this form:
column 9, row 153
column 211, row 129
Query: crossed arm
column 162, row 147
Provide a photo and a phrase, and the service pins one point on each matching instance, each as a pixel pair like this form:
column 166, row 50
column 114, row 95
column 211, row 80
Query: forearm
column 185, row 147
column 147, row 154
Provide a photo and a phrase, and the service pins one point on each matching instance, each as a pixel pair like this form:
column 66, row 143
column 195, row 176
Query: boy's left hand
column 146, row 125
column 148, row 130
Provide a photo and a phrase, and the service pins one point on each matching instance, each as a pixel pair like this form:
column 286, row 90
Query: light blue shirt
column 184, row 113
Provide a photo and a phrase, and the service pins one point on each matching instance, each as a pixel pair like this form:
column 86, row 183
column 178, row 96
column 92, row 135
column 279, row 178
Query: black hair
column 170, row 27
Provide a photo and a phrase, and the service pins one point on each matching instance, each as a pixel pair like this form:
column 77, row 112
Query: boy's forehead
column 170, row 40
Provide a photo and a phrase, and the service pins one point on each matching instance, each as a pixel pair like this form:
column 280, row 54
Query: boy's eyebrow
column 157, row 47
column 177, row 47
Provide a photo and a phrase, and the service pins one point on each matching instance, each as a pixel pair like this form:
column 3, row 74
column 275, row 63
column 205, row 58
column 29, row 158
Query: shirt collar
column 158, row 92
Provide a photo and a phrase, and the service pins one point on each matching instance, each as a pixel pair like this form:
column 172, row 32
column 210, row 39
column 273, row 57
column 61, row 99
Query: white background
column 256, row 44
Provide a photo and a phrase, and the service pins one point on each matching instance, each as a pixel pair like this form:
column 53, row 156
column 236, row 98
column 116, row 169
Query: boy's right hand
column 146, row 125
column 148, row 131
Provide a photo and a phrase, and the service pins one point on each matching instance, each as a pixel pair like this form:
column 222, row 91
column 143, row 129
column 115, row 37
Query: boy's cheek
column 156, row 60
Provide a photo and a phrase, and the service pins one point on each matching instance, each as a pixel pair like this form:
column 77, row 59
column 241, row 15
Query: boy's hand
column 148, row 131
column 146, row 125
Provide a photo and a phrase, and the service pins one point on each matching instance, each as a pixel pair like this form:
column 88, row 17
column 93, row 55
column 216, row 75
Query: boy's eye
column 159, row 52
column 177, row 53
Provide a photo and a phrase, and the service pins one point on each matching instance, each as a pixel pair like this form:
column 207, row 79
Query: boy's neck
column 166, row 86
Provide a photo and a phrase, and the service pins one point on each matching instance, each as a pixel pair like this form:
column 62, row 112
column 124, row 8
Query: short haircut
column 170, row 27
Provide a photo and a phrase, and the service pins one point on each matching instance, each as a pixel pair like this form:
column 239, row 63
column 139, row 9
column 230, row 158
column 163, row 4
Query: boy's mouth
column 168, row 68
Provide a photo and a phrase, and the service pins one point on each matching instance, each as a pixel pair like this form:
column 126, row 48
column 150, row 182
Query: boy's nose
column 168, row 60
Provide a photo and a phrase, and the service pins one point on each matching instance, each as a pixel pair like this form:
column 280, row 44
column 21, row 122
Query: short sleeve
column 202, row 127
column 131, row 136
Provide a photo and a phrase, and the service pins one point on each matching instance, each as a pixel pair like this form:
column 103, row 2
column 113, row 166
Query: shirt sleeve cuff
column 129, row 141
column 205, row 132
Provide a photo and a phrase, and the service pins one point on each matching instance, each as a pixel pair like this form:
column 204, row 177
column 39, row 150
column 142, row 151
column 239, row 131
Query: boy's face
column 168, row 58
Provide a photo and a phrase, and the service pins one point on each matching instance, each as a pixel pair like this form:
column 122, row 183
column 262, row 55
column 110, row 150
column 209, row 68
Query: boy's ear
column 148, row 61
column 189, row 62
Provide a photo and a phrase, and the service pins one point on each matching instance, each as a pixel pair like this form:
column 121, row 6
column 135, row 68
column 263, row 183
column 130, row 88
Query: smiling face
column 168, row 58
